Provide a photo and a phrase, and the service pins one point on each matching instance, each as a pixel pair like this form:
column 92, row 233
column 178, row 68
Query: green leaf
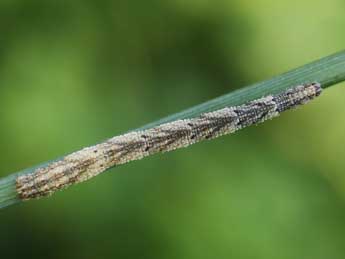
column 328, row 71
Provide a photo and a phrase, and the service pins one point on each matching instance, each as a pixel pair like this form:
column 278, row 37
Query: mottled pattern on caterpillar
column 91, row 161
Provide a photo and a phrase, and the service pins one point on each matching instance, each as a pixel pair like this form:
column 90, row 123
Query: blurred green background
column 73, row 73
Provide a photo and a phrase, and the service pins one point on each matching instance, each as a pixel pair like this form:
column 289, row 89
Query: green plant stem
column 328, row 71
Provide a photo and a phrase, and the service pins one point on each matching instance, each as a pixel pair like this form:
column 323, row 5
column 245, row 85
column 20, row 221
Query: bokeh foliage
column 75, row 72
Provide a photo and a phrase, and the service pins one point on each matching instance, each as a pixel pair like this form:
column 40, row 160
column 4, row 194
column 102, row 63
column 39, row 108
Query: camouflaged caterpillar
column 91, row 161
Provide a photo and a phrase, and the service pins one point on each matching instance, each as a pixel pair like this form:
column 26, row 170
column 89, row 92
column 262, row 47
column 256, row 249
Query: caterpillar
column 91, row 161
